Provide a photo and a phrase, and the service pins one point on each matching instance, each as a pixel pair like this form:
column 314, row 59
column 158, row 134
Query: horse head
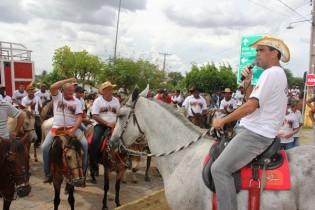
column 198, row 119
column 18, row 167
column 127, row 121
column 29, row 126
column 138, row 145
column 66, row 156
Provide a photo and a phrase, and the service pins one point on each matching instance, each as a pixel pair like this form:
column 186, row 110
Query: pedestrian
column 177, row 98
column 294, row 109
column 163, row 96
column 216, row 99
column 261, row 118
column 67, row 119
column 289, row 128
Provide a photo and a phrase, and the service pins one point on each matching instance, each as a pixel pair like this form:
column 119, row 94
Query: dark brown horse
column 66, row 164
column 14, row 171
column 198, row 119
column 112, row 161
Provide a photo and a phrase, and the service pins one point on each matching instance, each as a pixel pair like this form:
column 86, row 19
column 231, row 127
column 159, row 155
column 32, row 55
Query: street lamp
column 290, row 24
column 117, row 31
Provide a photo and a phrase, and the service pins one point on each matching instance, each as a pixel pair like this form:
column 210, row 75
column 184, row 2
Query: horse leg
column 35, row 154
column 147, row 178
column 6, row 204
column 106, row 187
column 57, row 185
column 117, row 186
column 71, row 199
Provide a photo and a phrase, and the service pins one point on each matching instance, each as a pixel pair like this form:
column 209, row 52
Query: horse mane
column 73, row 142
column 17, row 146
column 56, row 151
column 179, row 116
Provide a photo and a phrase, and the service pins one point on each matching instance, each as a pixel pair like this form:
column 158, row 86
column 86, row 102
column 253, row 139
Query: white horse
column 166, row 131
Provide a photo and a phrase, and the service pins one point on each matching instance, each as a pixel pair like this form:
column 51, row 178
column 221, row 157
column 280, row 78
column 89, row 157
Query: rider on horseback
column 104, row 112
column 262, row 116
column 67, row 117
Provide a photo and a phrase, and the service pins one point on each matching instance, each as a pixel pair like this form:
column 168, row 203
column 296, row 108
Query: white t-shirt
column 239, row 98
column 65, row 111
column 6, row 98
column 26, row 101
column 82, row 103
column 229, row 105
column 298, row 115
column 196, row 104
column 107, row 110
column 178, row 98
column 271, row 93
column 17, row 95
column 6, row 110
column 43, row 96
column 290, row 123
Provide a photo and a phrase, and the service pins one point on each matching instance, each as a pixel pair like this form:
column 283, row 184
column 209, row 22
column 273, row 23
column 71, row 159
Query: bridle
column 71, row 172
column 141, row 136
column 15, row 177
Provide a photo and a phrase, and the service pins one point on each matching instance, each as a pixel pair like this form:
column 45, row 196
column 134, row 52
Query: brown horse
column 14, row 171
column 112, row 161
column 27, row 128
column 198, row 119
column 47, row 111
column 66, row 164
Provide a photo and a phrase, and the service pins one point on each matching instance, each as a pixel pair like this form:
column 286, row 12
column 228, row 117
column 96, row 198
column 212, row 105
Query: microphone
column 254, row 63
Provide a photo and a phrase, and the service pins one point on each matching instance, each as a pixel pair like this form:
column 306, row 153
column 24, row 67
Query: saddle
column 269, row 159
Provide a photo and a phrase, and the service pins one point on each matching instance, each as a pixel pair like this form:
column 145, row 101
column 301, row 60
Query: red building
column 16, row 66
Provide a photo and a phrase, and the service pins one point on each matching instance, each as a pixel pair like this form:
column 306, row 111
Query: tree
column 80, row 65
column 174, row 78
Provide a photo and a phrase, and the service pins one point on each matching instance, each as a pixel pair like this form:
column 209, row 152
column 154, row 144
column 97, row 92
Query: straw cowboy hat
column 105, row 85
column 227, row 90
column 29, row 87
column 276, row 43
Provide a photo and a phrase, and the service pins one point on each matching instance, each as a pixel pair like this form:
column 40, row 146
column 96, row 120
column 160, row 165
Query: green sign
column 247, row 55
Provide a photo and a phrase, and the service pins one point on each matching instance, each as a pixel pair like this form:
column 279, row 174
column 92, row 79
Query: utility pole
column 312, row 47
column 117, row 26
column 164, row 54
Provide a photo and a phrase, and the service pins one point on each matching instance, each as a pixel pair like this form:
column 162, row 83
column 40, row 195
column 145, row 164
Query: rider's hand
column 247, row 73
column 111, row 125
column 217, row 124
column 71, row 132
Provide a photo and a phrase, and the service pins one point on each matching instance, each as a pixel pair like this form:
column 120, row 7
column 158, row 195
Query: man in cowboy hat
column 195, row 102
column 18, row 95
column 35, row 103
column 3, row 96
column 228, row 104
column 261, row 118
column 104, row 112
column 68, row 117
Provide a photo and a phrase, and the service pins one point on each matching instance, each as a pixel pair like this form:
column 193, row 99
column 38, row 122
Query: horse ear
column 134, row 95
column 145, row 92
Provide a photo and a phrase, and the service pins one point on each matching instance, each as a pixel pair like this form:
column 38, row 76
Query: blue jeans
column 241, row 150
column 296, row 141
column 99, row 131
column 286, row 146
column 46, row 148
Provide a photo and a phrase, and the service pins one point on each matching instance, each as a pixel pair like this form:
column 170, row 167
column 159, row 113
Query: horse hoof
column 135, row 181
column 105, row 208
column 147, row 179
column 124, row 182
column 36, row 160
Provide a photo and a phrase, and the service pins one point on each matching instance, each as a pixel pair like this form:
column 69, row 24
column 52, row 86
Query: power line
column 295, row 11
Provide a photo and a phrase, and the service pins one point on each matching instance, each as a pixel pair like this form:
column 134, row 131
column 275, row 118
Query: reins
column 121, row 141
